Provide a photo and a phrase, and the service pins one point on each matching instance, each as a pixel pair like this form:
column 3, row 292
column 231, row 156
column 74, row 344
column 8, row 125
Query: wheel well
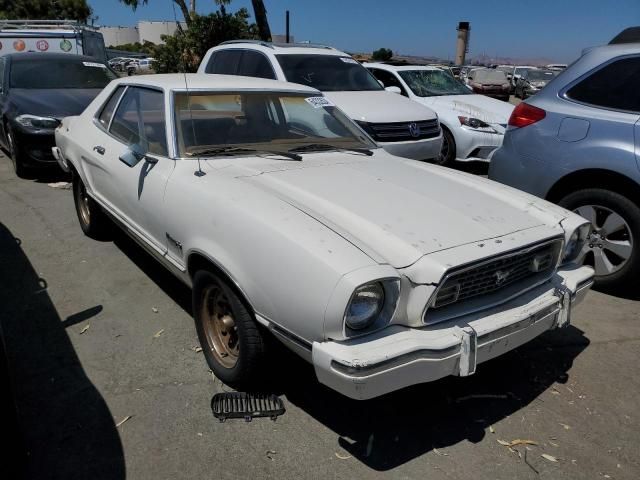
column 197, row 261
column 594, row 178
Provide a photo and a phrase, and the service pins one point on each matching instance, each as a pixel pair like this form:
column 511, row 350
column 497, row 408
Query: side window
column 613, row 86
column 224, row 62
column 140, row 120
column 388, row 79
column 255, row 64
column 107, row 111
column 125, row 124
column 153, row 122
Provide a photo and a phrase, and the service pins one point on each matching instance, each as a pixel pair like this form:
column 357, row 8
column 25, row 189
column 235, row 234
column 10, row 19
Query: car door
column 133, row 191
column 388, row 79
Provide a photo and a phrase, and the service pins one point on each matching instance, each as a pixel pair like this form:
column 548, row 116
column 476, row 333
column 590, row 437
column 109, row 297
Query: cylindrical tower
column 462, row 43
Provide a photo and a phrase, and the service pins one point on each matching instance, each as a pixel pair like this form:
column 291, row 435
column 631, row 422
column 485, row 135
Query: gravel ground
column 107, row 382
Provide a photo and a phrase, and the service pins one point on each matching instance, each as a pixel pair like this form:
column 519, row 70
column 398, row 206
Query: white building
column 144, row 31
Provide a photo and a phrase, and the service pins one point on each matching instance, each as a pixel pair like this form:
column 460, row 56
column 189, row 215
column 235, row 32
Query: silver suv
column 577, row 143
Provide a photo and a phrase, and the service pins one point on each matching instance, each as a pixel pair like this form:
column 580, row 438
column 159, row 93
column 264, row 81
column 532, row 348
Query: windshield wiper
column 320, row 147
column 212, row 152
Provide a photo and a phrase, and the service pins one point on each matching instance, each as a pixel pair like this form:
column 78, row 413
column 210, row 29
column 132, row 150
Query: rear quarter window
column 614, row 86
column 107, row 111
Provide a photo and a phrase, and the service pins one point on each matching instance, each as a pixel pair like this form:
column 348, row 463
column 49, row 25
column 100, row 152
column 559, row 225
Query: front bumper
column 399, row 356
column 475, row 146
column 426, row 149
column 35, row 147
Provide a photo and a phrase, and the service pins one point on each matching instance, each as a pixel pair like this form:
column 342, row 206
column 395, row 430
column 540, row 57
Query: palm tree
column 259, row 11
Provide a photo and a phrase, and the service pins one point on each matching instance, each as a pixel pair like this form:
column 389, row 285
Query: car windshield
column 273, row 121
column 59, row 73
column 327, row 73
column 539, row 75
column 490, row 76
column 505, row 69
column 521, row 70
column 429, row 83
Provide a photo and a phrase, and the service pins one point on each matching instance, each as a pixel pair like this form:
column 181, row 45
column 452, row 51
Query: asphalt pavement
column 109, row 384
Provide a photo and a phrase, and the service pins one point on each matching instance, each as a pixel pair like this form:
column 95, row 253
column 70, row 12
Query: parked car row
column 132, row 66
column 297, row 174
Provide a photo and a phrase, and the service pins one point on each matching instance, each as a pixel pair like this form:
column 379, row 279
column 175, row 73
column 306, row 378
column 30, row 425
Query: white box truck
column 60, row 36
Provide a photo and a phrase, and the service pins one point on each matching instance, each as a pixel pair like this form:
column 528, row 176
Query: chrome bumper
column 399, row 356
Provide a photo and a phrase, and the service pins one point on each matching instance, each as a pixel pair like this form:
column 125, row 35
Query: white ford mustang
column 286, row 219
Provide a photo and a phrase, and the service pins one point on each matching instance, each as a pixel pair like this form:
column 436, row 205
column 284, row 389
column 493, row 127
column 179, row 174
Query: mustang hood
column 397, row 211
column 380, row 106
column 481, row 107
column 57, row 103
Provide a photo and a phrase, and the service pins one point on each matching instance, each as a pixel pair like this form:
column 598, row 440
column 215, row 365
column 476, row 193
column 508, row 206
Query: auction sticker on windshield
column 319, row 102
column 93, row 64
column 348, row 60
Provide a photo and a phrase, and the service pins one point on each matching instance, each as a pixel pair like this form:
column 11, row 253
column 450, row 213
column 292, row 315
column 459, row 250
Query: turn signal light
column 525, row 114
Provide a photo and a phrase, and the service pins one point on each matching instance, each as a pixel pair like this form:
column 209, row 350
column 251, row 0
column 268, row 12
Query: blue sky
column 557, row 30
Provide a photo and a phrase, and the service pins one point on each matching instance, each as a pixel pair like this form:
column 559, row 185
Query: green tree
column 189, row 12
column 382, row 55
column 147, row 47
column 45, row 10
column 183, row 51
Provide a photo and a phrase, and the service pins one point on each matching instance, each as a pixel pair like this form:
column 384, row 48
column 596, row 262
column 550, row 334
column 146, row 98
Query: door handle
column 99, row 149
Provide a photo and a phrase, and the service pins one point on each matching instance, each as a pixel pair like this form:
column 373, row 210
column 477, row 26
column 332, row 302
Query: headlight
column 365, row 305
column 36, row 122
column 476, row 124
column 576, row 242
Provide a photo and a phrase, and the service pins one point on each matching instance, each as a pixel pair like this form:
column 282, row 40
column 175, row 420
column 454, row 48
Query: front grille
column 494, row 275
column 403, row 131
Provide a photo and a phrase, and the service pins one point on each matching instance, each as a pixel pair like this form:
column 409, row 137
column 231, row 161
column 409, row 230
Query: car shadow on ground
column 168, row 283
column 389, row 431
column 477, row 168
column 66, row 428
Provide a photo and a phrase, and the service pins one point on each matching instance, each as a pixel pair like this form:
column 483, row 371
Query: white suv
column 400, row 126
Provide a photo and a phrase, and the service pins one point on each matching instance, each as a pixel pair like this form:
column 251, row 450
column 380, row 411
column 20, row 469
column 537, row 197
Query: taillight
column 525, row 114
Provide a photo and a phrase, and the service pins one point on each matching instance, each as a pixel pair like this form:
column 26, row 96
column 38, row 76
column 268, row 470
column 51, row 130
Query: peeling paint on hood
column 397, row 211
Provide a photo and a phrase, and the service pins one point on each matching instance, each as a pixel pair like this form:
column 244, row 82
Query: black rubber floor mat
column 246, row 405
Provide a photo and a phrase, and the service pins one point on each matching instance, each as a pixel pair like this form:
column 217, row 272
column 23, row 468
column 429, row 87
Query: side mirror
column 393, row 89
column 134, row 155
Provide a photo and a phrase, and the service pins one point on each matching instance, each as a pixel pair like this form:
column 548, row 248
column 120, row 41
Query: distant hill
column 476, row 60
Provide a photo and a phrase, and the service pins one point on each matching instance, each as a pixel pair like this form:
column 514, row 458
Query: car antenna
column 199, row 172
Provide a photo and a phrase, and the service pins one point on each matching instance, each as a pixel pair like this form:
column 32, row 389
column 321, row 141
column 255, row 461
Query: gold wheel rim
column 85, row 213
column 220, row 327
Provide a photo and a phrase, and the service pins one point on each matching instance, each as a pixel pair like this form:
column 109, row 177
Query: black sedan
column 36, row 91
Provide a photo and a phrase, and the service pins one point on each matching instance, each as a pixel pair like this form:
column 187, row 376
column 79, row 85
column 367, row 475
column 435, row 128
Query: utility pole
column 287, row 26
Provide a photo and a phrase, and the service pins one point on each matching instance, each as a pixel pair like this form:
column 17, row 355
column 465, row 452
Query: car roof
column 54, row 57
column 207, row 81
column 614, row 50
column 399, row 68
column 283, row 48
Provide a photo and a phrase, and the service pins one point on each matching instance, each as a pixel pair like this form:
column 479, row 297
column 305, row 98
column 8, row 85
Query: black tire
column 16, row 156
column 93, row 221
column 242, row 367
column 625, row 278
column 447, row 155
